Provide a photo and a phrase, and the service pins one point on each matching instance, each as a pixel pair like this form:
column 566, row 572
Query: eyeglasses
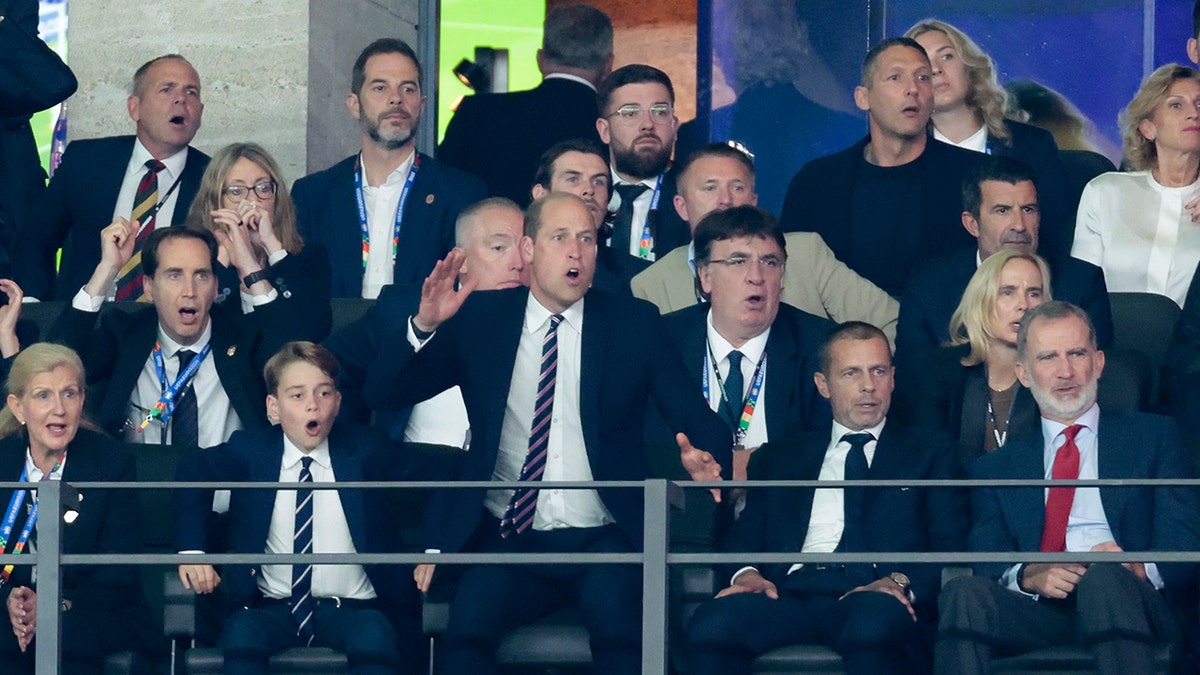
column 265, row 191
column 660, row 113
column 768, row 263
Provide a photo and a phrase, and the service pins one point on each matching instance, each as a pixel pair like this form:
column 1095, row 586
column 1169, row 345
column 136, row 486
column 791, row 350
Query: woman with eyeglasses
column 244, row 202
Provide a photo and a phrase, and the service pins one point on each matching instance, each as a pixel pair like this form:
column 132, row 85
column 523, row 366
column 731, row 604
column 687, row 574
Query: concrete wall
column 275, row 73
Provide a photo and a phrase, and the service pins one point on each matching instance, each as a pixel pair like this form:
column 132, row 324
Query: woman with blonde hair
column 44, row 436
column 969, row 387
column 1140, row 226
column 244, row 202
column 969, row 111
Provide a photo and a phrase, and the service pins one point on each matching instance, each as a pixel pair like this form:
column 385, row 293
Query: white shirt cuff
column 412, row 337
column 87, row 303
column 733, row 579
column 1009, row 580
column 274, row 258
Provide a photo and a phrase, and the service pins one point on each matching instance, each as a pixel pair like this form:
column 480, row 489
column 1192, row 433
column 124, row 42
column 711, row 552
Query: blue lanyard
column 10, row 519
column 165, row 406
column 750, row 403
column 646, row 243
column 359, row 179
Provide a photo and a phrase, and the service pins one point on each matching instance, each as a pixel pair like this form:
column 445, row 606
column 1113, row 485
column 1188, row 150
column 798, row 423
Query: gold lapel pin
column 429, row 199
column 231, row 351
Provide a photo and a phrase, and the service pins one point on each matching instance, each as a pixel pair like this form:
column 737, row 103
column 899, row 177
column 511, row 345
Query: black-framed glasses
column 768, row 263
column 264, row 191
column 660, row 113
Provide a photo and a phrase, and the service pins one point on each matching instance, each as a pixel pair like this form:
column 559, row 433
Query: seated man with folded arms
column 368, row 611
column 880, row 617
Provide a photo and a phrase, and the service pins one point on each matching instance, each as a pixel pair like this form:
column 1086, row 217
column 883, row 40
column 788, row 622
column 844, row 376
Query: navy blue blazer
column 821, row 199
column 356, row 453
column 936, row 288
column 78, row 203
column 300, row 279
column 626, row 363
column 898, row 519
column 115, row 348
column 327, row 214
column 1143, row 518
column 793, row 404
column 501, row 137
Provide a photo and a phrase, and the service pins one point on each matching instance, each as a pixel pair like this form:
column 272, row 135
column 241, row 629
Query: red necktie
column 1058, row 504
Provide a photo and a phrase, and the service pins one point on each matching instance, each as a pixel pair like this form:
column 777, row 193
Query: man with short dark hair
column 637, row 122
column 1193, row 43
column 1118, row 610
column 891, row 200
column 149, row 178
column 879, row 617
column 499, row 137
column 1000, row 210
column 557, row 379
column 386, row 214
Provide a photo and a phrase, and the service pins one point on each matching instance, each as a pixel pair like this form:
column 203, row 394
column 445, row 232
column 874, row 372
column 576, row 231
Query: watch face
column 900, row 578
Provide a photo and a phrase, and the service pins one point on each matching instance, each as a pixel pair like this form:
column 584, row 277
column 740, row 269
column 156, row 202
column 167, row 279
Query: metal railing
column 656, row 557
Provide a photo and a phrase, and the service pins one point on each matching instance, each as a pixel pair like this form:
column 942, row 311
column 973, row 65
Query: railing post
column 656, row 533
column 49, row 577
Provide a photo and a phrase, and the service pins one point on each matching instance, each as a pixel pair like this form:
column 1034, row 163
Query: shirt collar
column 839, row 430
column 752, row 349
column 537, row 317
column 33, row 474
column 568, row 76
column 292, row 454
column 692, row 256
column 174, row 163
column 1051, row 429
column 976, row 141
column 650, row 182
column 396, row 177
column 170, row 347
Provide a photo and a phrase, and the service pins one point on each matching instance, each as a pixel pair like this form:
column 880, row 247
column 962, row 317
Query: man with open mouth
column 149, row 178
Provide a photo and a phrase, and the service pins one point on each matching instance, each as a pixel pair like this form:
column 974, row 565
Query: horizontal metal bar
column 944, row 558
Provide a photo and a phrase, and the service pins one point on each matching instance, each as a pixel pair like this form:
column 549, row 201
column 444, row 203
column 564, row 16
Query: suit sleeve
column 989, row 530
column 1176, row 512
column 914, row 329
column 946, row 518
column 306, row 206
column 457, row 144
column 1095, row 303
column 96, row 344
column 401, row 377
column 193, row 506
column 1089, row 225
column 847, row 296
column 32, row 76
column 303, row 283
column 44, row 232
column 794, row 217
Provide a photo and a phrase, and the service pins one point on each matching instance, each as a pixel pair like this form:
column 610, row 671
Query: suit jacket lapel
column 507, row 331
column 972, row 425
column 1028, row 505
column 131, row 358
column 781, row 377
column 347, row 466
column 345, row 240
column 593, row 355
column 798, row 503
column 1111, row 450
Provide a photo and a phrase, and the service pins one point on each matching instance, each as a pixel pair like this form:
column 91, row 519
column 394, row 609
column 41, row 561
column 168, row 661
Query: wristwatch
column 255, row 277
column 901, row 580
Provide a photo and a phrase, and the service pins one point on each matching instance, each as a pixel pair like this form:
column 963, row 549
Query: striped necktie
column 302, row 601
column 518, row 517
column 129, row 280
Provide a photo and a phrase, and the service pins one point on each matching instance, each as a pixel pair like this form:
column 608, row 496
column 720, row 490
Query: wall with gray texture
column 275, row 73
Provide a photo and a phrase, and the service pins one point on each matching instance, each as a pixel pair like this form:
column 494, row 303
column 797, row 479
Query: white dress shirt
column 752, row 350
column 977, row 141
column 641, row 211
column 441, row 420
column 382, row 202
column 1138, row 232
column 330, row 533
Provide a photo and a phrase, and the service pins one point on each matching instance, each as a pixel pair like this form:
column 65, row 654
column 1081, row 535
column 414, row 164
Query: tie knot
column 306, row 463
column 185, row 357
column 858, row 440
column 154, row 166
column 1072, row 431
column 555, row 319
column 735, row 359
column 630, row 192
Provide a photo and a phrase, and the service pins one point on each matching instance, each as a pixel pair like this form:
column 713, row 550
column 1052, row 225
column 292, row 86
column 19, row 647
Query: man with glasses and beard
column 637, row 122
column 386, row 214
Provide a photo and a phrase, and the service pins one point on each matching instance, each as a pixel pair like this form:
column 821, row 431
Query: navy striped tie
column 302, row 601
column 518, row 517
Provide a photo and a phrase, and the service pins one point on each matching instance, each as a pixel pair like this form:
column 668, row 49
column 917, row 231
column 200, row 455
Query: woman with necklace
column 969, row 387
column 44, row 436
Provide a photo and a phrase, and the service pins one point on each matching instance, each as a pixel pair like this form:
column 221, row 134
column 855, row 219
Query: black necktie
column 733, row 390
column 853, row 539
column 185, row 421
column 623, row 224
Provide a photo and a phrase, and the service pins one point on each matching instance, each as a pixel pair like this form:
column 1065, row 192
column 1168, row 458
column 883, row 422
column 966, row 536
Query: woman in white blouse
column 1140, row 227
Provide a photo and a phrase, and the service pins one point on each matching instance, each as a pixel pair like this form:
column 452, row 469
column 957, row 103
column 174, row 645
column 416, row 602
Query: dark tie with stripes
column 129, row 280
column 302, row 601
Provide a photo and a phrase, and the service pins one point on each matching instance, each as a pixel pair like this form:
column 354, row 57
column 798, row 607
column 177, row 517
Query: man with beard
column 637, row 122
column 1000, row 209
column 1120, row 610
column 385, row 215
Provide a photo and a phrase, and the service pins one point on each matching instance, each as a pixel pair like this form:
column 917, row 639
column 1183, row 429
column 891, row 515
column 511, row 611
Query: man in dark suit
column 1119, row 610
column 100, row 179
column 489, row 234
column 368, row 611
column 580, row 167
column 1000, row 209
column 880, row 617
column 637, row 121
column 32, row 78
column 582, row 373
column 139, row 365
column 891, row 200
column 741, row 256
column 386, row 214
column 499, row 137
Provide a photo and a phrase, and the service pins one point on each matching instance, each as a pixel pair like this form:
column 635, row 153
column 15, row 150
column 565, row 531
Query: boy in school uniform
column 370, row 612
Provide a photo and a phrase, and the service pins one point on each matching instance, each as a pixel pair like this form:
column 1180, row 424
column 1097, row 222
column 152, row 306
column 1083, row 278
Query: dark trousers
column 873, row 632
column 363, row 633
column 491, row 600
column 88, row 636
column 1113, row 612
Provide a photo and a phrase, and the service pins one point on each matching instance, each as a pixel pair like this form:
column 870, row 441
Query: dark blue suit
column 1112, row 610
column 356, row 454
column 327, row 214
column 76, row 206
column 624, row 364
column 872, row 631
column 936, row 288
column 301, row 279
